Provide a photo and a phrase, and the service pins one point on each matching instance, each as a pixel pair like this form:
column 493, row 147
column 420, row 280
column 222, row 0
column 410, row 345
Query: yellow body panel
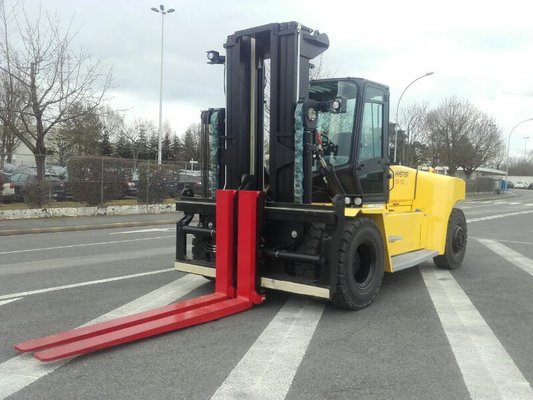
column 416, row 216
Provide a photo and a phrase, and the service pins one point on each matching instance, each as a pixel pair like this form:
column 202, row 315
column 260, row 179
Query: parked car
column 20, row 180
column 6, row 192
column 191, row 181
column 520, row 185
column 133, row 185
column 510, row 185
column 530, row 186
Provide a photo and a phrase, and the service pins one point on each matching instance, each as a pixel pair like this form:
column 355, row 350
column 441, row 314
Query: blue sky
column 478, row 50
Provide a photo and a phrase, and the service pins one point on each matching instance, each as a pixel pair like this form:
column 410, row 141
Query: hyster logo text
column 400, row 177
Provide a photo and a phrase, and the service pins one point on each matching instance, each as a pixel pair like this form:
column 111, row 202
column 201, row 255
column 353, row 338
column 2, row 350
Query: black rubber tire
column 361, row 265
column 199, row 251
column 456, row 239
column 311, row 246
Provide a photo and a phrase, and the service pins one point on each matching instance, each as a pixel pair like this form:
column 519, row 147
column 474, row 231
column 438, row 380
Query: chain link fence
column 93, row 181
column 483, row 186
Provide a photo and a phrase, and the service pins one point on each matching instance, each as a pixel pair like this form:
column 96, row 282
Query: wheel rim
column 367, row 263
column 459, row 239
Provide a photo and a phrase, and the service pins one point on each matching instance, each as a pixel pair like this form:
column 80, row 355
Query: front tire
column 456, row 238
column 361, row 265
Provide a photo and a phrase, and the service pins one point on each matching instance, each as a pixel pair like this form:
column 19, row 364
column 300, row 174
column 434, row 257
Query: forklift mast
column 288, row 47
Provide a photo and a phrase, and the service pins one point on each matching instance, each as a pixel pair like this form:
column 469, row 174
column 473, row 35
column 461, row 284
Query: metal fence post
column 102, row 184
column 147, row 182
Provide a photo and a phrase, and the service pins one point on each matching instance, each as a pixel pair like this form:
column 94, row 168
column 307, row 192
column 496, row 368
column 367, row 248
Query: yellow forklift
column 320, row 211
column 334, row 213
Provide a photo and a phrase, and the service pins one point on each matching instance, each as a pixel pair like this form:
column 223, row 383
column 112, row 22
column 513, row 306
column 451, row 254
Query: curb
column 490, row 197
column 52, row 229
column 29, row 213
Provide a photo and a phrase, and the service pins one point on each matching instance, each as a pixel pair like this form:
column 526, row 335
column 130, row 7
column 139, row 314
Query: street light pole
column 525, row 145
column 398, row 107
column 162, row 11
column 508, row 145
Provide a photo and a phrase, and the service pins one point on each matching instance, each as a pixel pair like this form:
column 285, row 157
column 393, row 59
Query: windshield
column 335, row 128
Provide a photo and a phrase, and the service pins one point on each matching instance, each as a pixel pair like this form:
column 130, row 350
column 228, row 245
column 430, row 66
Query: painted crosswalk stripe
column 82, row 284
column 22, row 370
column 143, row 231
column 3, row 302
column 509, row 254
column 266, row 371
column 487, row 369
column 488, row 217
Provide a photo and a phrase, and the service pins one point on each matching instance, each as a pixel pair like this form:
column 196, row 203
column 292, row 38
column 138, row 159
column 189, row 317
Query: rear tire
column 198, row 249
column 311, row 246
column 361, row 265
column 456, row 239
column 201, row 246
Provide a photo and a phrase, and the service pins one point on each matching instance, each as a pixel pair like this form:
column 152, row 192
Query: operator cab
column 354, row 139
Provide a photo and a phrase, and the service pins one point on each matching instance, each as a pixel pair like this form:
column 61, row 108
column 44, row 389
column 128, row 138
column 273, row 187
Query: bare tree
column 319, row 69
column 413, row 151
column 520, row 166
column 482, row 144
column 112, row 121
column 37, row 55
column 10, row 101
column 460, row 135
column 112, row 129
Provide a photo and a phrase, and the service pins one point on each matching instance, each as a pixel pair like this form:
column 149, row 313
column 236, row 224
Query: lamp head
column 214, row 57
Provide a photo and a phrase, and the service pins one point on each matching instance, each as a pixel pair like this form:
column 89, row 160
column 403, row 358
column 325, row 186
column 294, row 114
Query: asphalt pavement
column 430, row 334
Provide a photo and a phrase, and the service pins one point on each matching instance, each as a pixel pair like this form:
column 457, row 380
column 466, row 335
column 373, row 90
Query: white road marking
column 485, row 204
column 511, row 214
column 143, row 231
column 81, row 284
column 476, row 206
column 504, row 240
column 515, row 203
column 266, row 371
column 22, row 370
column 71, row 246
column 524, row 263
column 487, row 369
column 2, row 302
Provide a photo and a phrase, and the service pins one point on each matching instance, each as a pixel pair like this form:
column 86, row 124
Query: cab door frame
column 373, row 172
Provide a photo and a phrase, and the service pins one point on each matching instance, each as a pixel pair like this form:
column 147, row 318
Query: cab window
column 371, row 145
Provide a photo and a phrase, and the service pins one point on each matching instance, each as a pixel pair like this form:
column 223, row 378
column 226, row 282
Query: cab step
column 411, row 259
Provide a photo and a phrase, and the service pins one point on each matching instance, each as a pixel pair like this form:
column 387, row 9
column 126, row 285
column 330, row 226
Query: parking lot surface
column 430, row 334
